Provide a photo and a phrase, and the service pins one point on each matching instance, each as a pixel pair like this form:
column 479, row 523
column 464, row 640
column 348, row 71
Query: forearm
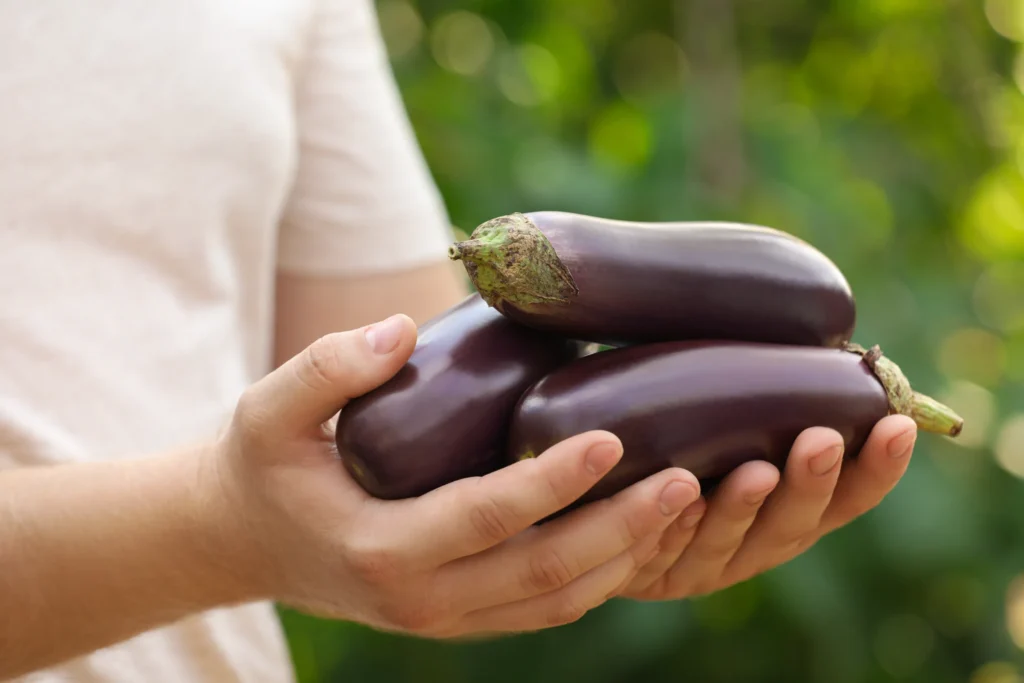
column 92, row 554
column 309, row 307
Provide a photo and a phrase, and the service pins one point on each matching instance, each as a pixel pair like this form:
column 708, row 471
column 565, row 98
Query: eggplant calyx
column 927, row 413
column 512, row 262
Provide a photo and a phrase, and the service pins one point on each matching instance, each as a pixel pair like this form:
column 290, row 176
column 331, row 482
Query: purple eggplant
column 709, row 406
column 445, row 415
column 621, row 283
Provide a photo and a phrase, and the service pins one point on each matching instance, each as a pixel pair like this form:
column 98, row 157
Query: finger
column 793, row 511
column 471, row 515
column 312, row 386
column 673, row 543
column 730, row 513
column 564, row 606
column 552, row 556
column 643, row 557
column 869, row 477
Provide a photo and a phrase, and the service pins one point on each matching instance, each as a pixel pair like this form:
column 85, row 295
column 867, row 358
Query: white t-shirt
column 159, row 160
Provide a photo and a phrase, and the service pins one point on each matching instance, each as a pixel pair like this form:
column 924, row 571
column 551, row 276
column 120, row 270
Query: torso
column 147, row 150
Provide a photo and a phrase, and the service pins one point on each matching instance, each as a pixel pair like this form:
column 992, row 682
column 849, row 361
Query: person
column 216, row 228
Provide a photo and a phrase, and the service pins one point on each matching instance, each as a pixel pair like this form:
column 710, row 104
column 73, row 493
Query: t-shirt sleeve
column 363, row 199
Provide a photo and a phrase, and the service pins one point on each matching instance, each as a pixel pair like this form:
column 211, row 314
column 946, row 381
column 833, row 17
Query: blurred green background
column 890, row 134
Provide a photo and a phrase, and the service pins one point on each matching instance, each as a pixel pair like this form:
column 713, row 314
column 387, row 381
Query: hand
column 463, row 559
column 753, row 523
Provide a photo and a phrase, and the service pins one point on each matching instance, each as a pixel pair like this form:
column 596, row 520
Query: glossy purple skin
column 647, row 282
column 445, row 415
column 704, row 406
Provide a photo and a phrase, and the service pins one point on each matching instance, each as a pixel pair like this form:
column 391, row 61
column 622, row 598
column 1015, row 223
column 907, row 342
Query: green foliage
column 889, row 134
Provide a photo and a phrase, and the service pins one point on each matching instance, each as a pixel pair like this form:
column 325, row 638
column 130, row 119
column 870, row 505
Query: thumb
column 312, row 386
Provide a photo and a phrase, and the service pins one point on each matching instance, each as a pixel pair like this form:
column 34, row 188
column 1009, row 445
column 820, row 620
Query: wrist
column 221, row 539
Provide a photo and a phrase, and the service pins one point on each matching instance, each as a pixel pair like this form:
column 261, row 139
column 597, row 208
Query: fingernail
column 757, row 498
column 384, row 336
column 902, row 445
column 692, row 515
column 601, row 458
column 824, row 462
column 675, row 497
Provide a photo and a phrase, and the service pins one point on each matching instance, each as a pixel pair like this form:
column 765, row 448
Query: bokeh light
column 401, row 26
column 462, row 42
column 529, row 75
column 577, row 69
column 1006, row 17
column 1015, row 611
column 993, row 225
column 977, row 406
column 620, row 136
column 999, row 296
column 973, row 354
column 1009, row 446
column 1018, row 69
column 997, row 672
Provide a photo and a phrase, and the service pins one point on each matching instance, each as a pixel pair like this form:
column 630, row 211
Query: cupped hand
column 756, row 519
column 464, row 559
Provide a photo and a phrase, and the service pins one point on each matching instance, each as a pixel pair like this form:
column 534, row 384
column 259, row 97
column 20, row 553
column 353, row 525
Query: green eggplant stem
column 932, row 416
column 510, row 261
column 928, row 414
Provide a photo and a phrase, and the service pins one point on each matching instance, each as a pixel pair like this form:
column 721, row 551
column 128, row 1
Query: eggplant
column 445, row 414
column 709, row 406
column 620, row 283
